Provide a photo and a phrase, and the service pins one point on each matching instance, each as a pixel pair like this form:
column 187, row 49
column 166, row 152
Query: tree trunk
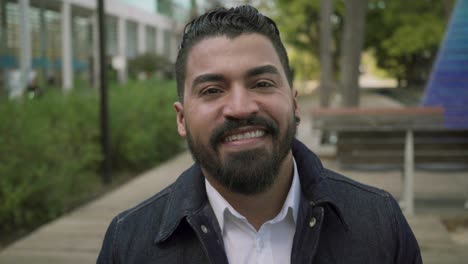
column 326, row 10
column 351, row 46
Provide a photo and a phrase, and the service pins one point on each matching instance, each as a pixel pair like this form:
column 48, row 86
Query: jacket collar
column 315, row 186
column 187, row 195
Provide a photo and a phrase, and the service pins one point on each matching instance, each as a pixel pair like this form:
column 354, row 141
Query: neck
column 260, row 208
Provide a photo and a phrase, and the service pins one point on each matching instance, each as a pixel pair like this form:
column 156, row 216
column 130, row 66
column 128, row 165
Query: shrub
column 48, row 157
column 50, row 150
column 143, row 127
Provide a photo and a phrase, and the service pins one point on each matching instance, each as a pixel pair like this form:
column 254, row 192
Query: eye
column 263, row 84
column 211, row 91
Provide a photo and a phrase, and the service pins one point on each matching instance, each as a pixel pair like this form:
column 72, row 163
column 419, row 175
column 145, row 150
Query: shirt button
column 260, row 244
column 204, row 229
column 312, row 222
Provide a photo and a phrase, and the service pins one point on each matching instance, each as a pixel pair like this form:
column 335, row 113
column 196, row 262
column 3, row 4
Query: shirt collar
column 220, row 205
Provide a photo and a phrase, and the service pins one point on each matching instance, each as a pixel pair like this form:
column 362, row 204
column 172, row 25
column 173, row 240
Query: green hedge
column 49, row 147
column 143, row 124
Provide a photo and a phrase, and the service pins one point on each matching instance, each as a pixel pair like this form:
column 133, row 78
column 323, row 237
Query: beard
column 246, row 172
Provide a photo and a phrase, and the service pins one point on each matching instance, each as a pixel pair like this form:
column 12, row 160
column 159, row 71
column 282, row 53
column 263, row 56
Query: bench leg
column 408, row 181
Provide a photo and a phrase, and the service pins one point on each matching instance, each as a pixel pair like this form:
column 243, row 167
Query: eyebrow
column 210, row 77
column 214, row 77
column 262, row 70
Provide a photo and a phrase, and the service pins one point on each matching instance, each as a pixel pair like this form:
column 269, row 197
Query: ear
column 295, row 104
column 179, row 108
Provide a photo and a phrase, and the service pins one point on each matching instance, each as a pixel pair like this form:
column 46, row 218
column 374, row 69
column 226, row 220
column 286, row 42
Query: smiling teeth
column 247, row 135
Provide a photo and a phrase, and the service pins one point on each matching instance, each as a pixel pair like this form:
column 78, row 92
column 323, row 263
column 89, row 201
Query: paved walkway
column 77, row 237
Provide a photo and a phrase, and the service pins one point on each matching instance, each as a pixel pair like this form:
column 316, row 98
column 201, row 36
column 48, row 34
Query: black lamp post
column 104, row 120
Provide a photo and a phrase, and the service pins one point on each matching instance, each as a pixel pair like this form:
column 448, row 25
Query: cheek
column 279, row 110
column 201, row 122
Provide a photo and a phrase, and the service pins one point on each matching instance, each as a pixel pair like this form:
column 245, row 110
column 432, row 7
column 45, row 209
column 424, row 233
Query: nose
column 240, row 104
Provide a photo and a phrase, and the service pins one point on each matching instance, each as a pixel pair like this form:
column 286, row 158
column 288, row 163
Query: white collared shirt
column 273, row 241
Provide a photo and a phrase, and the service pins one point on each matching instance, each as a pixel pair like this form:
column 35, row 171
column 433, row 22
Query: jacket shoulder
column 156, row 202
column 369, row 208
column 136, row 235
column 339, row 181
column 135, row 226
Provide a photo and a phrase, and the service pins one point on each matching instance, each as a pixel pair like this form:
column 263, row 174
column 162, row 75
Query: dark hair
column 231, row 23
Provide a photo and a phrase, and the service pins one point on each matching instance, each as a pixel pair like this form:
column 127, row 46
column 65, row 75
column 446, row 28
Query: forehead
column 225, row 55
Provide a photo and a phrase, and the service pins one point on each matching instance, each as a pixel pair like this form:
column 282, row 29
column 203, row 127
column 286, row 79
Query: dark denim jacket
column 339, row 221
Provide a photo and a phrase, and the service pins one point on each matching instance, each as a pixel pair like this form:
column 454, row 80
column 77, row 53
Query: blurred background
column 344, row 54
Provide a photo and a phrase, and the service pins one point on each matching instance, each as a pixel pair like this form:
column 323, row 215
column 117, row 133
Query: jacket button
column 204, row 229
column 312, row 222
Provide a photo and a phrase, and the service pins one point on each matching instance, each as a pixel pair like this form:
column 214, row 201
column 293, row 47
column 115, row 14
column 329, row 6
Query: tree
column 326, row 59
column 351, row 46
column 405, row 36
column 299, row 27
column 298, row 21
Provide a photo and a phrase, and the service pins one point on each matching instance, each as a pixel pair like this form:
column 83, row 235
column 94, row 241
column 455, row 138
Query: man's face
column 238, row 111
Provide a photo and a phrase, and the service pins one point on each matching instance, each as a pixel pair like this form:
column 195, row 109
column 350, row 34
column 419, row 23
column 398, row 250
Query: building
column 56, row 40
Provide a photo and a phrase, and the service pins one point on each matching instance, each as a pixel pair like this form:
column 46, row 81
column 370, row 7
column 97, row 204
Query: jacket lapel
column 188, row 202
column 315, row 198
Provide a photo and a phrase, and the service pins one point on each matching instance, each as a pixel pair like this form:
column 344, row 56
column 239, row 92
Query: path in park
column 76, row 237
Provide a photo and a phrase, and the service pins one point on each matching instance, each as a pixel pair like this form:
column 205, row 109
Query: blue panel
column 448, row 83
column 40, row 62
column 80, row 65
column 8, row 61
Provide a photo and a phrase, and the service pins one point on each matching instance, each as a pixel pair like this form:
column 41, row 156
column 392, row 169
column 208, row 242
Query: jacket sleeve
column 106, row 255
column 407, row 246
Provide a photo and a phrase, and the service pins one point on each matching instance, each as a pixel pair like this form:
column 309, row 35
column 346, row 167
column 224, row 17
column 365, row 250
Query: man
column 255, row 194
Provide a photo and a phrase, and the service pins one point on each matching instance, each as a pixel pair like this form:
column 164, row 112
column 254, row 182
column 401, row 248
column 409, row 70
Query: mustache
column 230, row 124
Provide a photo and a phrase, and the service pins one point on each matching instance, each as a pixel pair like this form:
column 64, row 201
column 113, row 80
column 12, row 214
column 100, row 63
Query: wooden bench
column 394, row 138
